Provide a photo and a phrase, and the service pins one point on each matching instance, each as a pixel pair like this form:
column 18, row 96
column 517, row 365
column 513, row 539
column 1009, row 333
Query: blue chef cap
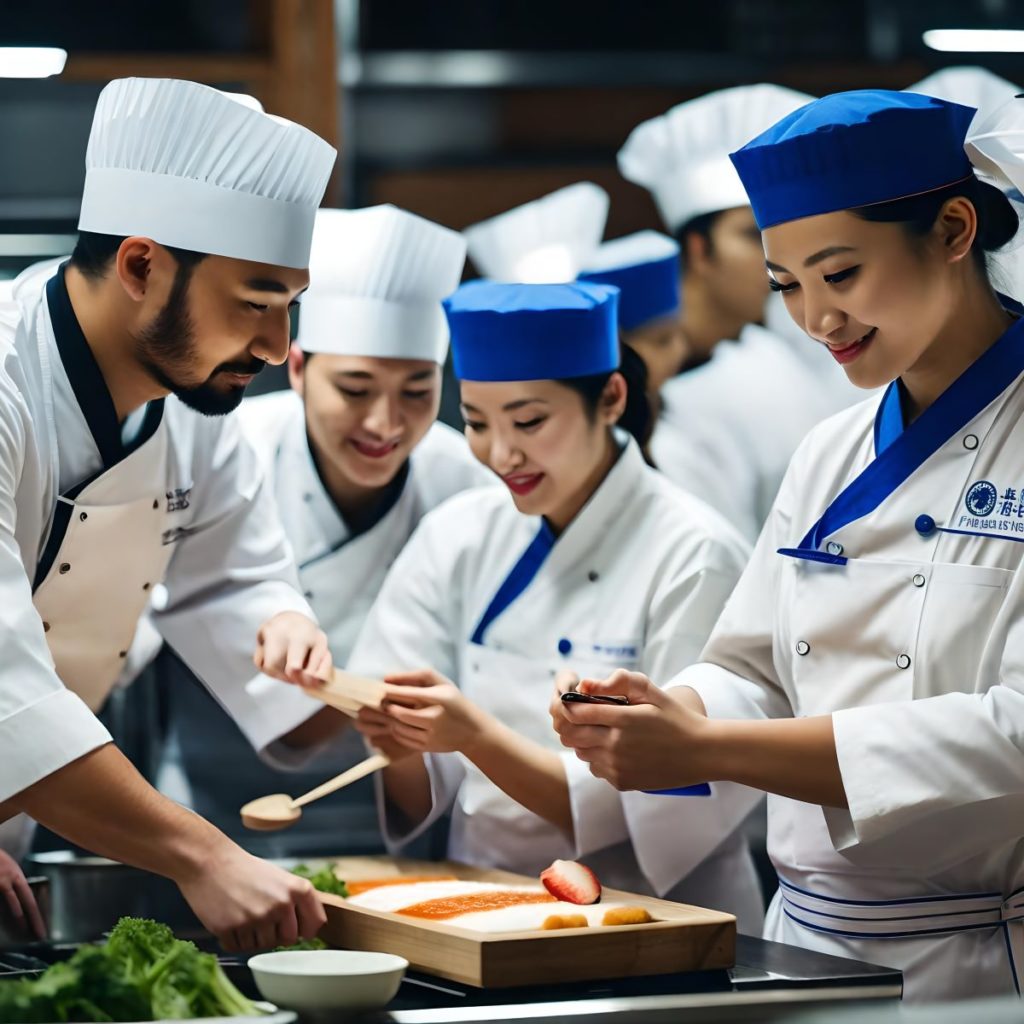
column 532, row 331
column 853, row 149
column 645, row 268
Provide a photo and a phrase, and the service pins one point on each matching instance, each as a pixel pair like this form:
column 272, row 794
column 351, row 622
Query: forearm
column 525, row 771
column 792, row 757
column 100, row 802
column 407, row 788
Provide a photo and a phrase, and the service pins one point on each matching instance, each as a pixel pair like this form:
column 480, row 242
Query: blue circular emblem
column 981, row 499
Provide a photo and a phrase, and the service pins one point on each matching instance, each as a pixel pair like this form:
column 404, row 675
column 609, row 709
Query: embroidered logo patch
column 981, row 498
column 178, row 499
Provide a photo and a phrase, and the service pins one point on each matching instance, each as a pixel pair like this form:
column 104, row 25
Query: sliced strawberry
column 571, row 882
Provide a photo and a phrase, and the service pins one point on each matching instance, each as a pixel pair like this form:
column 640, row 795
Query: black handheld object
column 575, row 697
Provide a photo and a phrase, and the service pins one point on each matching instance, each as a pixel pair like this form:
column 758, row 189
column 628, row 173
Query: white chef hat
column 682, row 157
column 546, row 241
column 971, row 86
column 376, row 280
column 192, row 168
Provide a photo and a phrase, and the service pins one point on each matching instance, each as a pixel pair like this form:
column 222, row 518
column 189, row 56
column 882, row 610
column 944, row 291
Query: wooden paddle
column 348, row 693
column 268, row 813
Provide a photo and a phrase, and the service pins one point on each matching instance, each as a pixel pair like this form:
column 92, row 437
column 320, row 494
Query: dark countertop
column 768, row 983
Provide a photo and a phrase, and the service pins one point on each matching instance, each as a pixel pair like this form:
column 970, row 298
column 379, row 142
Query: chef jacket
column 901, row 614
column 729, row 427
column 491, row 599
column 209, row 543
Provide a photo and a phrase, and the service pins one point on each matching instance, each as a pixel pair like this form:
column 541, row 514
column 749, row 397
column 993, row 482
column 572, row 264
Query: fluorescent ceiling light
column 976, row 40
column 31, row 61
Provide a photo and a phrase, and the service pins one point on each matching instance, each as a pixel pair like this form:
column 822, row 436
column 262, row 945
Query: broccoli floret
column 302, row 945
column 325, row 880
column 142, row 973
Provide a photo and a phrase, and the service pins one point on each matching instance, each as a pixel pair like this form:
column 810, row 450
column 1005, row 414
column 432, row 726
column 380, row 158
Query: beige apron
column 115, row 550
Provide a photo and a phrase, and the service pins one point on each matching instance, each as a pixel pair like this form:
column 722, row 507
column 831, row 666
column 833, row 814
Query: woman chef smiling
column 583, row 557
column 868, row 671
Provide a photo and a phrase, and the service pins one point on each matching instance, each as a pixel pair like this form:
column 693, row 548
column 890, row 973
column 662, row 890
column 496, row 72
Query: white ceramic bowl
column 328, row 979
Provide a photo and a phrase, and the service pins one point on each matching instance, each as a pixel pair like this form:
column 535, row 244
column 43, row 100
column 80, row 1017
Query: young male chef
column 122, row 480
column 355, row 458
column 730, row 422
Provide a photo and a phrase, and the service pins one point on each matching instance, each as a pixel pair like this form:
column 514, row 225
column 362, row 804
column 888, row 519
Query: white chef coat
column 227, row 567
column 729, row 427
column 636, row 581
column 341, row 574
column 912, row 638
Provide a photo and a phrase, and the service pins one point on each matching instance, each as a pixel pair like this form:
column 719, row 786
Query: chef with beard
column 122, row 480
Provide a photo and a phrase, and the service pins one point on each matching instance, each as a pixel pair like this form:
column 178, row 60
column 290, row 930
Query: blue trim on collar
column 978, row 386
column 889, row 418
column 521, row 576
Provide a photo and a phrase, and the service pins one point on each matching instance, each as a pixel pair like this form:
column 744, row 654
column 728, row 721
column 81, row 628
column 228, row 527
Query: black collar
column 87, row 381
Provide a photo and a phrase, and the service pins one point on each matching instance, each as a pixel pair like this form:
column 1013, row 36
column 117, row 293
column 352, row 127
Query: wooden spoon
column 268, row 813
column 348, row 693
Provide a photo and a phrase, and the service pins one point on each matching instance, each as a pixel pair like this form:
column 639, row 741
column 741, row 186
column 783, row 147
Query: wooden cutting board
column 681, row 937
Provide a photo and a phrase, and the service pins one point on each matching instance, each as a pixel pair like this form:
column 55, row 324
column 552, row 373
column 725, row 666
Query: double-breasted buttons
column 83, row 516
column 919, row 580
column 834, row 548
column 903, row 661
column 565, row 646
column 593, row 576
column 46, row 627
column 65, row 567
column 971, row 442
column 803, row 647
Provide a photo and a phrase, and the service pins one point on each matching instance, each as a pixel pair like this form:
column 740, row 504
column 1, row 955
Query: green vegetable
column 302, row 945
column 142, row 973
column 325, row 879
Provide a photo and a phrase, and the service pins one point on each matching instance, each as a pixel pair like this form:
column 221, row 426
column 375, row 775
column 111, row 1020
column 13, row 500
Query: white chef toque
column 546, row 241
column 682, row 157
column 376, row 280
column 193, row 168
column 971, row 86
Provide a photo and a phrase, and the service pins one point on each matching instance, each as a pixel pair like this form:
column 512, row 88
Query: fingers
column 269, row 935
column 287, row 931
column 321, row 667
column 310, row 914
column 417, row 677
column 230, row 942
column 13, row 903
column 633, row 685
column 586, row 737
column 411, row 696
column 565, row 681
column 419, row 718
column 298, row 655
column 27, row 899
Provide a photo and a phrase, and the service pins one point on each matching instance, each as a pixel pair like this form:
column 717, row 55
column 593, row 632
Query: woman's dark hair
column 638, row 416
column 997, row 219
column 94, row 253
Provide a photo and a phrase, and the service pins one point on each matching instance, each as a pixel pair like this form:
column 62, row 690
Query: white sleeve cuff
column 43, row 737
column 597, row 817
column 446, row 773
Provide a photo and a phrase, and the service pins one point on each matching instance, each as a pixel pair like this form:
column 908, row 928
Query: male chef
column 123, row 482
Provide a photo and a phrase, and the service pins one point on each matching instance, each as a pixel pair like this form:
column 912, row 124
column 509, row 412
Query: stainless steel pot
column 87, row 895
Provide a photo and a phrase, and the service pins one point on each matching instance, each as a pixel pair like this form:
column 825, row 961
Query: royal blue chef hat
column 645, row 268
column 533, row 331
column 853, row 149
